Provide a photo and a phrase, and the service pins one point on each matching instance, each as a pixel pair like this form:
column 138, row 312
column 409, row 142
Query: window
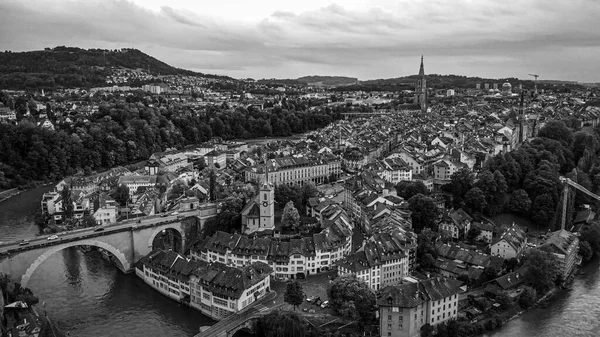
column 389, row 317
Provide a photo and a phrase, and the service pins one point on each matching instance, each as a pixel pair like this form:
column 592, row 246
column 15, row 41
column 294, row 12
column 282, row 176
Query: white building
column 289, row 258
column 405, row 308
column 259, row 214
column 511, row 243
column 212, row 288
column 134, row 182
column 382, row 260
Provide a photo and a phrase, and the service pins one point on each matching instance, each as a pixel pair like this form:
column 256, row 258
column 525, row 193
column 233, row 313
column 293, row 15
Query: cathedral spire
column 266, row 170
column 422, row 69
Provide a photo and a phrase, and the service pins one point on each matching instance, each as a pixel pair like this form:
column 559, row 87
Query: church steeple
column 421, row 88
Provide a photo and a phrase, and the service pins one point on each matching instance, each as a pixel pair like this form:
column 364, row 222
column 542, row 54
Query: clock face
column 265, row 203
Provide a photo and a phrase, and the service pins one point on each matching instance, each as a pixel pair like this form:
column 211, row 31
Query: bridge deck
column 224, row 326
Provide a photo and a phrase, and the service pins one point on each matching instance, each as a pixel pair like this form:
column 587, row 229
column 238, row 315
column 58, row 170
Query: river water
column 87, row 296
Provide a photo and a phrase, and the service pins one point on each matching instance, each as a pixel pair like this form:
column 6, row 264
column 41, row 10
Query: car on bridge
column 98, row 229
column 23, row 242
column 53, row 237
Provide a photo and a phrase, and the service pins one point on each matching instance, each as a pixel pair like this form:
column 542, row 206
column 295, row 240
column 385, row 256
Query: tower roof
column 422, row 69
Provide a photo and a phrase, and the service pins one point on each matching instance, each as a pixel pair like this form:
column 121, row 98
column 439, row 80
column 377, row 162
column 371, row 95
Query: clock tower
column 266, row 200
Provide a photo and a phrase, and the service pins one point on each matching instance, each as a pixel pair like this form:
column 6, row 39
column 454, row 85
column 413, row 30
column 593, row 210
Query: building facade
column 405, row 308
column 564, row 245
column 510, row 244
column 214, row 289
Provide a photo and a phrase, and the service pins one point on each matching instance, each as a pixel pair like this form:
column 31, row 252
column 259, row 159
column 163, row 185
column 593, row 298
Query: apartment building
column 296, row 171
column 382, row 260
column 456, row 224
column 134, row 182
column 289, row 259
column 405, row 308
column 214, row 289
column 511, row 243
column 564, row 245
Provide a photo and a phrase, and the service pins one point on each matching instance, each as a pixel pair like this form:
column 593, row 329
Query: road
column 82, row 233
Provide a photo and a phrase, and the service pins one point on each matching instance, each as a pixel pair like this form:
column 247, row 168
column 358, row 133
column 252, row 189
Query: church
column 421, row 89
column 259, row 214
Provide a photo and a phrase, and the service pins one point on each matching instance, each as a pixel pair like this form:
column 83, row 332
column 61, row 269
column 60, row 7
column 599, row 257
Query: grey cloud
column 329, row 38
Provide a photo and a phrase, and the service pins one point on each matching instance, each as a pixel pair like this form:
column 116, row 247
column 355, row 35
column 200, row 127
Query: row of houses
column 295, row 170
column 290, row 259
column 213, row 288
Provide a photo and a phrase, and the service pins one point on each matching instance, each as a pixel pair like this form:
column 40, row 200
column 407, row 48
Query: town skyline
column 380, row 39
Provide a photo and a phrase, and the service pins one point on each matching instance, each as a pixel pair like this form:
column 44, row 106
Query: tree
column 121, row 194
column 501, row 185
column 426, row 253
column 290, row 217
column 557, row 130
column 424, row 211
column 591, row 235
column 285, row 193
column 293, row 294
column 67, row 202
column 88, row 220
column 519, row 202
column 475, row 199
column 408, row 189
column 229, row 218
column 541, row 270
column 461, row 182
column 528, row 297
column 486, row 182
column 281, row 323
column 504, row 300
column 427, row 330
column 542, row 210
column 352, row 298
column 511, row 264
column 308, row 191
column 585, row 249
column 472, row 234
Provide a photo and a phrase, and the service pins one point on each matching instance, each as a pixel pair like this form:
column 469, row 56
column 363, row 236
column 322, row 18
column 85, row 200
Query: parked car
column 325, row 304
column 318, row 301
column 53, row 237
column 23, row 242
column 310, row 299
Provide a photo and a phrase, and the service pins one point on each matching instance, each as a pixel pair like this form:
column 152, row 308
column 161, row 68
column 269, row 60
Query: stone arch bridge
column 127, row 241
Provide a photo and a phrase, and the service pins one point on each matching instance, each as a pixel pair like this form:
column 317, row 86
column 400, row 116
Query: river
column 87, row 296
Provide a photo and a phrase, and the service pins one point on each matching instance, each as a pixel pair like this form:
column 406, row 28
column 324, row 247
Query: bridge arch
column 125, row 263
column 176, row 226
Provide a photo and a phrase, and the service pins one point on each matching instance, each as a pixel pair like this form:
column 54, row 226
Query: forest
column 75, row 67
column 122, row 133
column 527, row 182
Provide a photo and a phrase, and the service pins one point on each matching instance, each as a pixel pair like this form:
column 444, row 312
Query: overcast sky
column 368, row 39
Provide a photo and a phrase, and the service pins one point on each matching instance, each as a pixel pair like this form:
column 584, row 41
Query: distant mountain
column 328, row 80
column 76, row 67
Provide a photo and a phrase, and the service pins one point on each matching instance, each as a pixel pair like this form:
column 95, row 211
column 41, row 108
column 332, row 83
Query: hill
column 75, row 67
column 328, row 80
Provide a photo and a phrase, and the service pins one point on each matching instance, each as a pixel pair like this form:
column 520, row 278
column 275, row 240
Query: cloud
column 368, row 39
